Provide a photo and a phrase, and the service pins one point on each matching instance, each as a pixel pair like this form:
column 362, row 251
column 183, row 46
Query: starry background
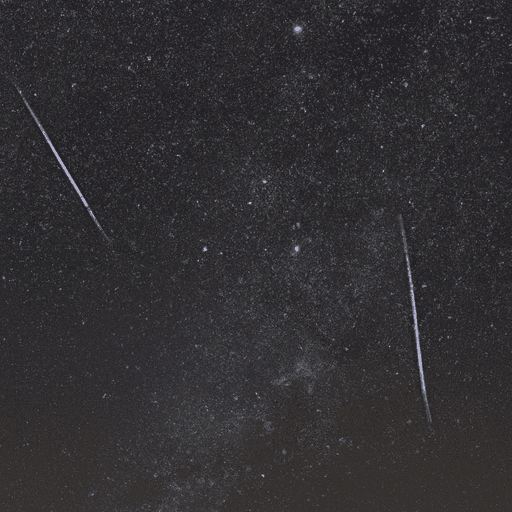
column 247, row 341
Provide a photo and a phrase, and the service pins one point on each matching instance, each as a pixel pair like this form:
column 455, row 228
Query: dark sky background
column 252, row 315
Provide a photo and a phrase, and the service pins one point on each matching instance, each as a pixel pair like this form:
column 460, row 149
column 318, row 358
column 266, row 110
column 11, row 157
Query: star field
column 246, row 343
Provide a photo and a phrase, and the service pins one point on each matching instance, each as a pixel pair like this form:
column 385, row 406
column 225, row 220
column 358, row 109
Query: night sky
column 246, row 342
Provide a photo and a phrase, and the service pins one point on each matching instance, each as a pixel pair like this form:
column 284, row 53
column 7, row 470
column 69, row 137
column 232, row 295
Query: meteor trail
column 88, row 208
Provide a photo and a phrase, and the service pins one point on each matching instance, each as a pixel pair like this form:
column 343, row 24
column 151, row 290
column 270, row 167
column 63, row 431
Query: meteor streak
column 75, row 186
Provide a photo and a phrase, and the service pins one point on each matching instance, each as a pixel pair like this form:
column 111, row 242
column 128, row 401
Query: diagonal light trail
column 415, row 317
column 75, row 186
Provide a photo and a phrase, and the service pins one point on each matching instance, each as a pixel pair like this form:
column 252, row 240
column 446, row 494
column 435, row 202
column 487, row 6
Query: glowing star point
column 297, row 29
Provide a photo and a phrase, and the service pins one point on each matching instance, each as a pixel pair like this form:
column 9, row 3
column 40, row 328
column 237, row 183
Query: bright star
column 298, row 29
